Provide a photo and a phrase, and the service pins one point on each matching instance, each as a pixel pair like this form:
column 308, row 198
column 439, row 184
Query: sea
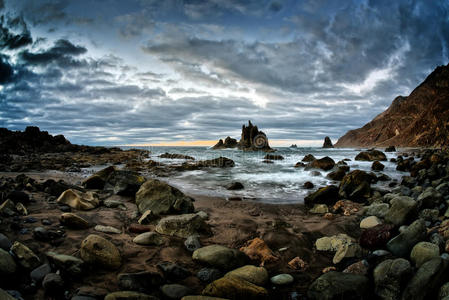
column 279, row 182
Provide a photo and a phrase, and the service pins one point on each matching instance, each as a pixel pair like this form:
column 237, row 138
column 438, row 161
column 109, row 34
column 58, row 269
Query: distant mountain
column 419, row 120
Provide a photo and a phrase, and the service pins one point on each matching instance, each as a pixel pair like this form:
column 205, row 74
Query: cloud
column 62, row 51
column 6, row 71
column 10, row 40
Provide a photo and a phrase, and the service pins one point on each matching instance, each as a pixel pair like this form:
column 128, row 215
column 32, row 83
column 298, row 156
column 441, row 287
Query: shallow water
column 279, row 182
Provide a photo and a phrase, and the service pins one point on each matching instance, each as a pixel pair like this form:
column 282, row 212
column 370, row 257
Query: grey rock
column 282, row 279
column 67, row 264
column 220, row 257
column 209, row 274
column 379, row 210
column 38, row 274
column 192, row 243
column 175, row 291
column 402, row 209
column 337, row 285
column 5, row 243
column 401, row 244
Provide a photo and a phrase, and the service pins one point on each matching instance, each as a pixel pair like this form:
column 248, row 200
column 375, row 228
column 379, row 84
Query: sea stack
column 327, row 143
column 228, row 143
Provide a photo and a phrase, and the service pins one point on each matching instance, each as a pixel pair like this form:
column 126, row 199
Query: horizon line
column 210, row 143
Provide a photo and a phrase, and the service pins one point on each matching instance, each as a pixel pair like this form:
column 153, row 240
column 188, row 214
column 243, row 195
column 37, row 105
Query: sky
column 183, row 72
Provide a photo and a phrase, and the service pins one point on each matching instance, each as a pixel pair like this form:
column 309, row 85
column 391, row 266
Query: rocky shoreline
column 121, row 234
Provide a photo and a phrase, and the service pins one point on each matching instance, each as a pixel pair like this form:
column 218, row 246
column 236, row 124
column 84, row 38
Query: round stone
column 282, row 279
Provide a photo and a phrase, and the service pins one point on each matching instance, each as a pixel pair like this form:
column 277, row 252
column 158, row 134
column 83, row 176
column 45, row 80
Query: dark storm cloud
column 6, row 71
column 10, row 40
column 62, row 51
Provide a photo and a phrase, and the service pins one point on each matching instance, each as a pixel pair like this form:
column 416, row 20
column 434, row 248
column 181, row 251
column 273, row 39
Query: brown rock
column 257, row 250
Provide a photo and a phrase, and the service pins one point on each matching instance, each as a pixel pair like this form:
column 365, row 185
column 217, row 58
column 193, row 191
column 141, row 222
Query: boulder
column 67, row 264
column 124, row 183
column 377, row 166
column 149, row 238
column 7, row 264
column 182, row 225
column 308, row 158
column 96, row 250
column 326, row 163
column 220, row 257
column 401, row 244
column 390, row 277
column 390, row 149
column 98, row 180
column 356, row 186
column 325, row 195
column 337, row 175
column 327, row 143
column 376, row 237
column 336, row 285
column 78, row 200
column 371, row 155
column 73, row 221
column 250, row 273
column 5, row 243
column 273, row 157
column 162, row 198
column 402, row 210
column 25, row 256
column 423, row 252
column 235, row 186
column 234, row 288
column 427, row 280
column 176, row 156
column 220, row 162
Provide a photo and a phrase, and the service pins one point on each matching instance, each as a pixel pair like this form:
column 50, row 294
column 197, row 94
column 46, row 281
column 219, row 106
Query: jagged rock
column 73, row 221
column 258, row 250
column 403, row 243
column 234, row 288
column 124, row 183
column 371, row 155
column 336, row 285
column 327, row 143
column 67, row 264
column 98, row 180
column 326, row 195
column 228, row 143
column 25, row 256
column 356, row 186
column 390, row 277
column 220, row 257
column 253, row 140
column 162, row 198
column 98, row 251
column 326, row 163
column 78, row 200
column 182, row 225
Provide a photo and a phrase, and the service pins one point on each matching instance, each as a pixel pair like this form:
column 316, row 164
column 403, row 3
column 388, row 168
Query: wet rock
column 370, row 222
column 68, row 265
column 326, row 163
column 38, row 274
column 181, row 226
column 371, row 155
column 128, row 295
column 336, row 285
column 149, row 239
column 98, row 251
column 273, row 157
column 235, row 186
column 327, row 143
column 73, row 221
column 308, row 158
column 107, row 229
column 25, row 257
column 209, row 274
column 308, row 185
column 376, row 237
column 78, row 200
column 377, row 166
column 282, row 279
column 141, row 281
column 337, row 175
column 7, row 264
column 5, row 243
column 423, row 252
column 228, row 143
column 326, row 195
column 124, row 183
column 175, row 156
column 250, row 273
column 402, row 209
column 192, row 243
column 162, row 198
column 390, row 277
column 220, row 257
column 258, row 250
column 390, row 149
column 172, row 271
column 403, row 243
column 426, row 281
column 42, row 234
column 175, row 291
column 356, row 186
column 300, row 165
column 234, row 288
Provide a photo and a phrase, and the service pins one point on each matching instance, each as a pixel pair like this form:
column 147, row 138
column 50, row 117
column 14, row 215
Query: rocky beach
column 122, row 232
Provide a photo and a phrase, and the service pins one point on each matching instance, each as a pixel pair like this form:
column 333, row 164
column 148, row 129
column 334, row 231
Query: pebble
column 30, row 220
column 107, row 229
column 282, row 279
column 149, row 238
column 192, row 243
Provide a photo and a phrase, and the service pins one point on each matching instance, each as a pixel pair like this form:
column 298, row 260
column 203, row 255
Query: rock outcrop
column 251, row 140
column 421, row 119
column 327, row 143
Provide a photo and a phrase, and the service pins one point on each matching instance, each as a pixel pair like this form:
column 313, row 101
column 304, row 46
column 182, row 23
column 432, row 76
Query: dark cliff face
column 419, row 120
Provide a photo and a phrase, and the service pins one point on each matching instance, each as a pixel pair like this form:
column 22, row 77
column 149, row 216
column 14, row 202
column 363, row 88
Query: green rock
column 250, row 273
column 319, row 209
column 424, row 251
column 401, row 244
column 25, row 256
column 7, row 264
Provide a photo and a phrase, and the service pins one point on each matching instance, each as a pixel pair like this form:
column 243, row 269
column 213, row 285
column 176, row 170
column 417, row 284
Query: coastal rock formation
column 419, row 120
column 327, row 143
column 251, row 140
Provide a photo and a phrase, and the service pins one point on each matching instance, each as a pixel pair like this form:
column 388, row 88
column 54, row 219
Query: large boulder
column 253, row 274
column 220, row 257
column 78, row 200
column 326, row 163
column 325, row 195
column 162, row 198
column 427, row 280
column 124, row 183
column 235, row 288
column 98, row 180
column 98, row 251
column 390, row 277
column 337, row 285
column 356, row 186
column 181, row 226
column 308, row 158
column 402, row 209
column 401, row 244
column 371, row 155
